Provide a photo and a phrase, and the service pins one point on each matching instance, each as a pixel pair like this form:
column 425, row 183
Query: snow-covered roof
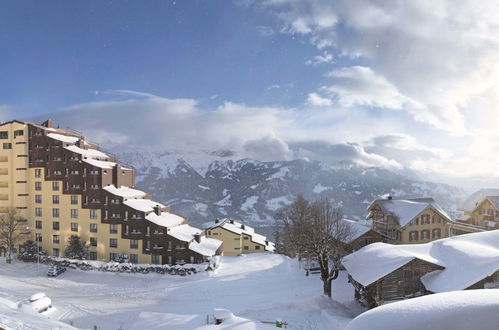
column 458, row 310
column 63, row 138
column 166, row 219
column 237, row 228
column 206, row 247
column 407, row 209
column 89, row 153
column 125, row 192
column 359, row 228
column 471, row 202
column 143, row 205
column 466, row 259
column 100, row 163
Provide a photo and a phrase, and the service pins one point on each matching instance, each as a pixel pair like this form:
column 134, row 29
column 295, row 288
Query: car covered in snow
column 55, row 271
column 38, row 302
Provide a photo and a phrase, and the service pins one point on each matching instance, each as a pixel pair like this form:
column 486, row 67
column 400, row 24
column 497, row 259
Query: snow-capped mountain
column 253, row 191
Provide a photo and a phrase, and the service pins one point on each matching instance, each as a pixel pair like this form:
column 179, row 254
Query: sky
column 404, row 85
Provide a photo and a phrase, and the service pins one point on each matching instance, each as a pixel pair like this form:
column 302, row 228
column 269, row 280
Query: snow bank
column 459, row 310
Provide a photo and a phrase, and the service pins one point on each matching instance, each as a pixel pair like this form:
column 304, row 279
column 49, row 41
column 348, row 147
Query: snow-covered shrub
column 29, row 252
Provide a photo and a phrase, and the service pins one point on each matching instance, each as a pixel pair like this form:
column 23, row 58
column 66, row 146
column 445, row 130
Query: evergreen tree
column 76, row 249
column 29, row 252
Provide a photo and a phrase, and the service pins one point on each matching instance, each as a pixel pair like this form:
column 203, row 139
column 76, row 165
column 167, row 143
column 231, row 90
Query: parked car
column 39, row 302
column 55, row 271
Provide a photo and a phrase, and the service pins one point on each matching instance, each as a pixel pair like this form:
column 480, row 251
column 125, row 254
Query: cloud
column 268, row 148
column 325, row 57
column 317, row 100
column 435, row 57
column 265, row 31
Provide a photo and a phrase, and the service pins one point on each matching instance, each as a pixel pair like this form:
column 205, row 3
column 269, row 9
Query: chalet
column 482, row 209
column 238, row 238
column 383, row 272
column 409, row 221
column 362, row 235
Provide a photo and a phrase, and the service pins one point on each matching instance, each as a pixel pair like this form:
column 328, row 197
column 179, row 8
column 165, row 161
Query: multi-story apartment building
column 238, row 238
column 409, row 221
column 64, row 185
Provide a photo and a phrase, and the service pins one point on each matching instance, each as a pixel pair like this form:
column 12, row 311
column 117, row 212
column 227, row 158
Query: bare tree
column 12, row 230
column 316, row 231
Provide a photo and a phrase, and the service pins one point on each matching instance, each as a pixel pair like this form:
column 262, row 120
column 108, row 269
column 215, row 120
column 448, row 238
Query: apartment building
column 238, row 238
column 64, row 185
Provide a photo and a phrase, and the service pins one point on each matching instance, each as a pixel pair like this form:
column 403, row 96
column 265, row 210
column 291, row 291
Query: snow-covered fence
column 116, row 267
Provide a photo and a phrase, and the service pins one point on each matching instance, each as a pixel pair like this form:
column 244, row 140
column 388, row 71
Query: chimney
column 47, row 123
column 217, row 221
column 266, row 242
column 231, row 221
column 197, row 237
column 157, row 210
column 80, row 143
column 389, row 197
column 243, row 226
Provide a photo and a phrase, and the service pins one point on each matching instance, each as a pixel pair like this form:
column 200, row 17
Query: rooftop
column 125, row 192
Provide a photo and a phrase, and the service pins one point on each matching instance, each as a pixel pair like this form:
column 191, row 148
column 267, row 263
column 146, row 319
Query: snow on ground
column 249, row 203
column 257, row 287
column 275, row 204
column 457, row 310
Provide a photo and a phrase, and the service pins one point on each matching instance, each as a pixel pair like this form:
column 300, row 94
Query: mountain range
column 254, row 191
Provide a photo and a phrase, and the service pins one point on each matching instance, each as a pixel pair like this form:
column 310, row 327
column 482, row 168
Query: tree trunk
column 323, row 262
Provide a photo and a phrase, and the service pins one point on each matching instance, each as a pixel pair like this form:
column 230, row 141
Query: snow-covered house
column 238, row 238
column 383, row 272
column 362, row 234
column 482, row 209
column 409, row 221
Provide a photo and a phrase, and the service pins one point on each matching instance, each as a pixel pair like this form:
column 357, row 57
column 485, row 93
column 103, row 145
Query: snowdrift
column 458, row 310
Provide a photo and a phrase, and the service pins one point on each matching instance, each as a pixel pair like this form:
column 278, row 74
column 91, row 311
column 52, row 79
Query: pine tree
column 29, row 252
column 76, row 249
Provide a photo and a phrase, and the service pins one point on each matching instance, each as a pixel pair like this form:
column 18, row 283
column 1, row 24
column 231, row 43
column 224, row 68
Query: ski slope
column 258, row 287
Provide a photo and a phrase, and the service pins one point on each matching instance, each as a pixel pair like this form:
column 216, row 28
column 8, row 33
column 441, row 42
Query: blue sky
column 395, row 84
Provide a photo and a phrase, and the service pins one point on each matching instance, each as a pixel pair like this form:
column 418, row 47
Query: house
column 482, row 209
column 238, row 238
column 362, row 235
column 64, row 185
column 383, row 272
column 409, row 221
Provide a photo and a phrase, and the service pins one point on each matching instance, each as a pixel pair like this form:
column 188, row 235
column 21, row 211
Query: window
column 4, row 135
column 113, row 256
column 74, row 199
column 55, row 186
column 38, row 224
column 93, row 214
column 133, row 258
column 148, row 245
column 38, row 172
column 55, row 239
column 436, row 233
column 55, row 225
column 55, row 213
column 38, row 199
column 425, row 234
column 18, row 132
column 93, row 241
column 245, row 247
column 55, row 199
column 155, row 259
column 38, row 237
column 413, row 236
column 38, row 186
column 237, row 239
column 55, row 252
column 93, row 227
column 113, row 228
column 93, row 255
column 7, row 145
column 113, row 242
column 74, row 226
column 246, row 238
column 417, row 221
column 257, row 247
column 399, row 235
column 134, row 244
column 74, row 213
column 38, row 212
